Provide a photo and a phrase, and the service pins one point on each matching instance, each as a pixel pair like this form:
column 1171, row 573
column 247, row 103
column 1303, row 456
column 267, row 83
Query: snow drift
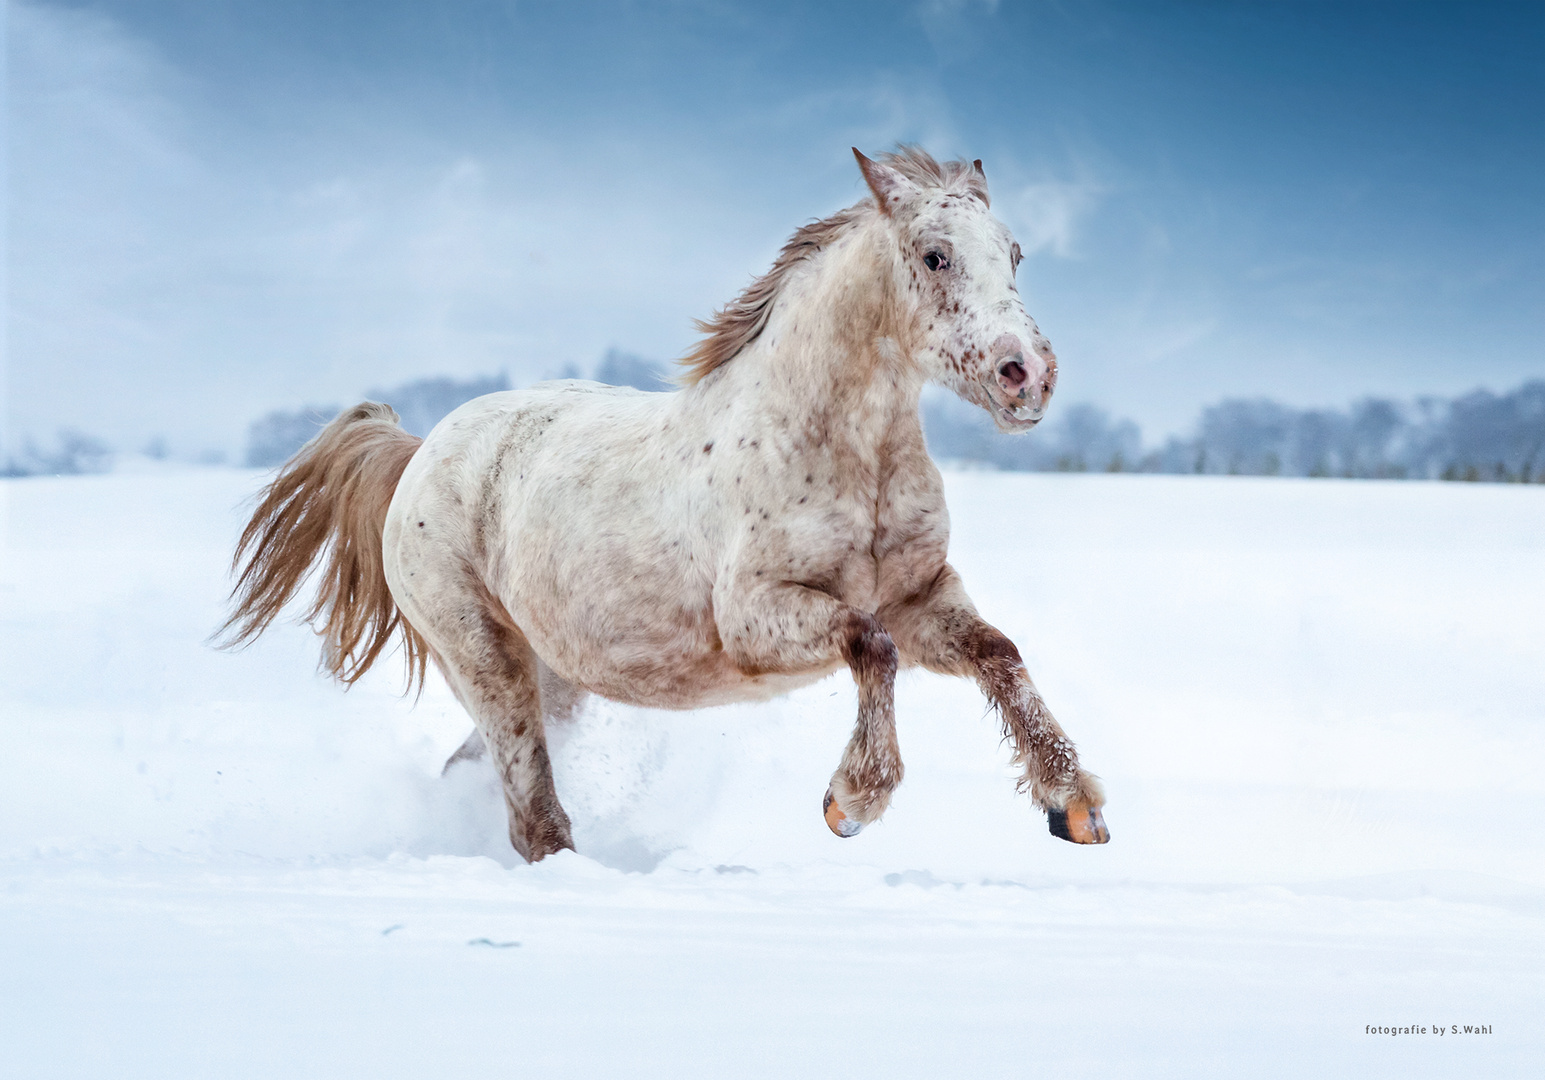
column 1318, row 707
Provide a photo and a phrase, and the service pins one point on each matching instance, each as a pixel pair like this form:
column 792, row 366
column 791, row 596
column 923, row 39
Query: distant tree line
column 618, row 368
column 73, row 452
column 1480, row 436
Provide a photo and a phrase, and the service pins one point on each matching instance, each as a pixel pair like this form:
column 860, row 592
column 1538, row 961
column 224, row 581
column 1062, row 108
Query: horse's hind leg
column 493, row 672
column 559, row 700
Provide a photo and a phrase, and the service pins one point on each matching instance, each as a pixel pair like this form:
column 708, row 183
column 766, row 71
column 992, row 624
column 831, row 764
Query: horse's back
column 561, row 425
column 532, row 410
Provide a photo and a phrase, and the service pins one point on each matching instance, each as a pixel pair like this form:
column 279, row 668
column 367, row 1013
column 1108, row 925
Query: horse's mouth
column 1013, row 415
column 1021, row 418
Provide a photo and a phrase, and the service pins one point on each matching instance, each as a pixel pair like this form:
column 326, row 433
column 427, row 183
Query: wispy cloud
column 1046, row 215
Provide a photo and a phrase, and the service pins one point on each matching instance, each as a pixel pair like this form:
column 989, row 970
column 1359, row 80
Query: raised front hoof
column 836, row 820
column 1078, row 824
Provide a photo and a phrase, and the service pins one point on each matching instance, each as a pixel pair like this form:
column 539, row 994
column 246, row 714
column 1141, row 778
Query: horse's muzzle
column 1025, row 376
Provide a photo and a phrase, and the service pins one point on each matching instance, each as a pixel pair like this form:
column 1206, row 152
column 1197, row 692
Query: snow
column 1318, row 706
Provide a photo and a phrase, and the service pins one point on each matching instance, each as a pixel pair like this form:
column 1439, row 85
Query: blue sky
column 219, row 208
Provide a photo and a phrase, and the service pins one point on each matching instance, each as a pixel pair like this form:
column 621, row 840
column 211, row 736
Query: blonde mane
column 739, row 323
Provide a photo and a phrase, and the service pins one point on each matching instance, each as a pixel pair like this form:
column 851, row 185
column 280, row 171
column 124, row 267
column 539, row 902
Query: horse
column 772, row 519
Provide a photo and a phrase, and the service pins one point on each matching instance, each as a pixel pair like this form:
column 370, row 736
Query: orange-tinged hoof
column 1079, row 824
column 836, row 820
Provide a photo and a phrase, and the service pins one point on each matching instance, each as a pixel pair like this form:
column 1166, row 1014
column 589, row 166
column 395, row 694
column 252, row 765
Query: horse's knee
column 869, row 649
column 989, row 644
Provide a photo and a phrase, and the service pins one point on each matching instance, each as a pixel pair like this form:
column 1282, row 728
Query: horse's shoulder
column 912, row 510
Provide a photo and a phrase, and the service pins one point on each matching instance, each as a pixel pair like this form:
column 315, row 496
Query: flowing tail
column 331, row 497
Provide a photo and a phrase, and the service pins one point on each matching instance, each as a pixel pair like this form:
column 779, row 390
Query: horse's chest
column 872, row 550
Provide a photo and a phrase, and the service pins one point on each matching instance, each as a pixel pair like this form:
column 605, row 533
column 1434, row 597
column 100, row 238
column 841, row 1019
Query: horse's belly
column 686, row 670
column 631, row 618
column 631, row 622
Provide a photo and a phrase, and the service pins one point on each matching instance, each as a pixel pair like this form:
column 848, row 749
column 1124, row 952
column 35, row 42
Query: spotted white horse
column 774, row 519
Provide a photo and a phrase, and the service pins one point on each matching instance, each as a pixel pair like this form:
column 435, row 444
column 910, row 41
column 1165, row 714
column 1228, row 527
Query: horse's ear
column 888, row 185
column 979, row 182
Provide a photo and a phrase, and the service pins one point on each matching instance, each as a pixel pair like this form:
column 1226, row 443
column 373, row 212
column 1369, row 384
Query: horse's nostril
column 1013, row 374
column 1046, row 389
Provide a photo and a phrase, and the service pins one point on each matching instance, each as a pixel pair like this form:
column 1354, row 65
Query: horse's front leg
column 939, row 629
column 791, row 628
column 871, row 767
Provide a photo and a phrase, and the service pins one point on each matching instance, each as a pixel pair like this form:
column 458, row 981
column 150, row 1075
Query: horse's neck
column 835, row 351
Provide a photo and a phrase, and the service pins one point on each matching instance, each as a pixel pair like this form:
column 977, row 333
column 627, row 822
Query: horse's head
column 955, row 267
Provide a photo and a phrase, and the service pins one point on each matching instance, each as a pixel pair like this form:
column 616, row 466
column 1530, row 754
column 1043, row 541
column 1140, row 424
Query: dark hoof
column 836, row 820
column 1078, row 824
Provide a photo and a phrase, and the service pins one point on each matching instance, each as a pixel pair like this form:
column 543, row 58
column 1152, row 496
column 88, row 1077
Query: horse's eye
column 934, row 261
column 1015, row 256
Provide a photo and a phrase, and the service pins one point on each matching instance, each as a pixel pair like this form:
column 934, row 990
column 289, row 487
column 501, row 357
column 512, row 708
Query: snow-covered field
column 1319, row 708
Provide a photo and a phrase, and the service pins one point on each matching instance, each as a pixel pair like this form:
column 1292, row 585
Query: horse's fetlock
column 864, row 797
column 1089, row 790
column 1057, row 793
